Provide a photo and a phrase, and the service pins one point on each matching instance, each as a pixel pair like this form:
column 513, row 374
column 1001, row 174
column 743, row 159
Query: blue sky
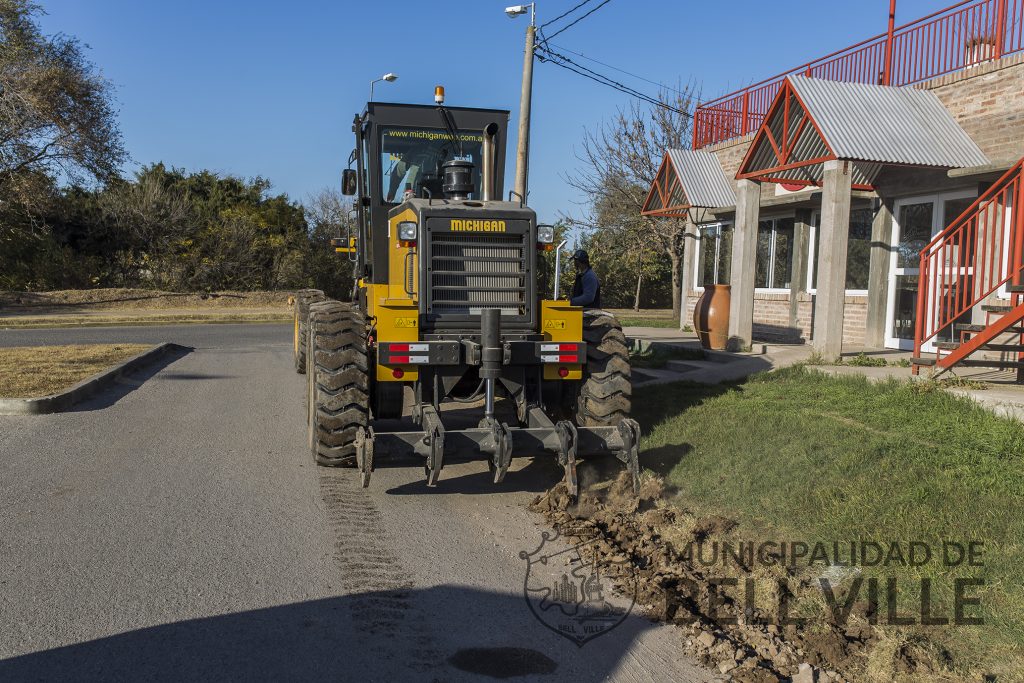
column 270, row 88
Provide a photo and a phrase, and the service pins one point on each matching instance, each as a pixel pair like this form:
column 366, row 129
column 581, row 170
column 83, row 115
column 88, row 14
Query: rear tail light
column 560, row 353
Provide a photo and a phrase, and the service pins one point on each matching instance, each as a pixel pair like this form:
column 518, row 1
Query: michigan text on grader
column 446, row 314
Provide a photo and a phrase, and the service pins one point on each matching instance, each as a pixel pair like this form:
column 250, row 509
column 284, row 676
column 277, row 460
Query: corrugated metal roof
column 702, row 177
column 884, row 124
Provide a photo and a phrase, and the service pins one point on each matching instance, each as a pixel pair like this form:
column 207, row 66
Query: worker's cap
column 581, row 255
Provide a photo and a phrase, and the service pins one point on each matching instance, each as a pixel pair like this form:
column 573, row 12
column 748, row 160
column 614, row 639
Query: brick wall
column 988, row 102
column 771, row 317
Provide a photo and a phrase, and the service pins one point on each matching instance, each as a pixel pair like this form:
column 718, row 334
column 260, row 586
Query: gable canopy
column 688, row 179
column 813, row 121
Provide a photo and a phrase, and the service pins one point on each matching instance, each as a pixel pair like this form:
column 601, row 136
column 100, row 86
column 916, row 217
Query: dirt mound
column 724, row 632
column 117, row 299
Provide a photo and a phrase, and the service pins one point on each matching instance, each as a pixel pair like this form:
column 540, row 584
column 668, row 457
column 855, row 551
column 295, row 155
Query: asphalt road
column 176, row 529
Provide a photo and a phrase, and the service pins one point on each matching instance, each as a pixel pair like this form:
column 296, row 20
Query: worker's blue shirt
column 586, row 291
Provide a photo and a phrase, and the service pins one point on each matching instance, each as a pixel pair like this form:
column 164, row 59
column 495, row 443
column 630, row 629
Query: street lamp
column 516, row 10
column 389, row 77
column 523, row 148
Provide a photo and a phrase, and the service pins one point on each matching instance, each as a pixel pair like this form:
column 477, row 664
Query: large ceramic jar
column 711, row 317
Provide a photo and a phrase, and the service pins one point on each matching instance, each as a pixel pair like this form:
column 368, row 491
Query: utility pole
column 523, row 147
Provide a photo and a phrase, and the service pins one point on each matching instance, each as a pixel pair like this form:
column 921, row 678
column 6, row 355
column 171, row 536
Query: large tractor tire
column 338, row 379
column 303, row 299
column 605, row 394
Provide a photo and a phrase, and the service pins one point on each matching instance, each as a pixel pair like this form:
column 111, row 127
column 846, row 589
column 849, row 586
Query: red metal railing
column 972, row 259
column 966, row 34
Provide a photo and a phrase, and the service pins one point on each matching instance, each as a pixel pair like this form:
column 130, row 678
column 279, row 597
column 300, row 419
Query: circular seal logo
column 569, row 588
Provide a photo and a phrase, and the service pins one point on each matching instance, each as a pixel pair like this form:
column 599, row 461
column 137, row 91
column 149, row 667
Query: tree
column 632, row 268
column 620, row 160
column 329, row 215
column 56, row 116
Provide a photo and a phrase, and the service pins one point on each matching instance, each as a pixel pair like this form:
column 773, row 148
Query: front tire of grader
column 303, row 299
column 338, row 381
column 605, row 394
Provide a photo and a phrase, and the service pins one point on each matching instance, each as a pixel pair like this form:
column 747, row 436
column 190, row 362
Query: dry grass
column 93, row 319
column 72, row 300
column 34, row 371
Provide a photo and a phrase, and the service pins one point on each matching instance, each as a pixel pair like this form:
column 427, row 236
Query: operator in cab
column 586, row 290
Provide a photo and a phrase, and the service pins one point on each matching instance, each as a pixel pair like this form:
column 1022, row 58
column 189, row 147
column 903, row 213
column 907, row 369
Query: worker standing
column 586, row 290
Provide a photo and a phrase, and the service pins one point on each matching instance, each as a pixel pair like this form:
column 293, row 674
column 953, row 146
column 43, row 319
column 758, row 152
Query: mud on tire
column 338, row 381
column 303, row 299
column 605, row 394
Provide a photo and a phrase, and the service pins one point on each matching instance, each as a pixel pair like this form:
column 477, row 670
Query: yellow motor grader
column 447, row 326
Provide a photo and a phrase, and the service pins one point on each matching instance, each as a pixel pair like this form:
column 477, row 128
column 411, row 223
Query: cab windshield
column 411, row 160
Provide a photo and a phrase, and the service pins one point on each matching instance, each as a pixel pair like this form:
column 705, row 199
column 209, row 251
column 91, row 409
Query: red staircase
column 970, row 302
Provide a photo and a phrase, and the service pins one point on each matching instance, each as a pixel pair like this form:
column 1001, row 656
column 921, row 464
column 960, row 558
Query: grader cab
column 448, row 348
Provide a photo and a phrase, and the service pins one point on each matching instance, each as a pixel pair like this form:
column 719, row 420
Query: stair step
column 953, row 346
column 996, row 308
column 981, row 328
column 1002, row 347
column 980, row 363
column 923, row 361
column 1017, row 289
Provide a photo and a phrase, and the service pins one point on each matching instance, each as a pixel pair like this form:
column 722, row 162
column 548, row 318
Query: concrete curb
column 56, row 403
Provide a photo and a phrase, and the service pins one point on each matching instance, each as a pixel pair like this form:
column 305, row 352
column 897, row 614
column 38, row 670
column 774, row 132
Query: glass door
column 913, row 228
column 917, row 221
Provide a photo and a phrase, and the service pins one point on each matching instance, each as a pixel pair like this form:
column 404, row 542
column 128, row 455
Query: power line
column 565, row 14
column 577, row 20
column 561, row 60
column 621, row 71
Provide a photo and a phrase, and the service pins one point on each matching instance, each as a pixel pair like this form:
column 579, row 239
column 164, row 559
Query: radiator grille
column 473, row 271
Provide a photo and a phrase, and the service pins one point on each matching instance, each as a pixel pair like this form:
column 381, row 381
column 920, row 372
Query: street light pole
column 523, row 147
column 389, row 77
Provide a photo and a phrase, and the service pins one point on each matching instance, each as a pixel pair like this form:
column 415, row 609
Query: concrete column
column 744, row 262
column 834, row 234
column 801, row 262
column 690, row 253
column 878, row 275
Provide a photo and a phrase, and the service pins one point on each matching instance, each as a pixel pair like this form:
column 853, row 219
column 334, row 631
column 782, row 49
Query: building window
column 774, row 268
column 858, row 254
column 714, row 260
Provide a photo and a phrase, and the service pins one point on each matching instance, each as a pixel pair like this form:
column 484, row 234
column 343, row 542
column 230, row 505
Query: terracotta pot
column 711, row 317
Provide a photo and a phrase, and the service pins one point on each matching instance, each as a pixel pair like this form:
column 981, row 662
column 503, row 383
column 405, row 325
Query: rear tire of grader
column 338, row 382
column 605, row 395
column 303, row 299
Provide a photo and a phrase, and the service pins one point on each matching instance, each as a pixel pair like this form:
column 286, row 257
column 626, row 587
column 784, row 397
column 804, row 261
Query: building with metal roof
column 813, row 120
column 688, row 179
column 859, row 214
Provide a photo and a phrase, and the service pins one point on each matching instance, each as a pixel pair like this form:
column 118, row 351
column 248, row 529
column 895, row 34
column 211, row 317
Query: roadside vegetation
column 797, row 455
column 34, row 371
column 70, row 219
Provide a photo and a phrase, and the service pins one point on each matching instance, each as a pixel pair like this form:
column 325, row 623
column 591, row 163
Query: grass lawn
column 646, row 317
column 631, row 321
column 33, row 371
column 798, row 455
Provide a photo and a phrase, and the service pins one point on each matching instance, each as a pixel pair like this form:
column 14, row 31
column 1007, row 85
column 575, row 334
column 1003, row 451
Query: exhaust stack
column 489, row 156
